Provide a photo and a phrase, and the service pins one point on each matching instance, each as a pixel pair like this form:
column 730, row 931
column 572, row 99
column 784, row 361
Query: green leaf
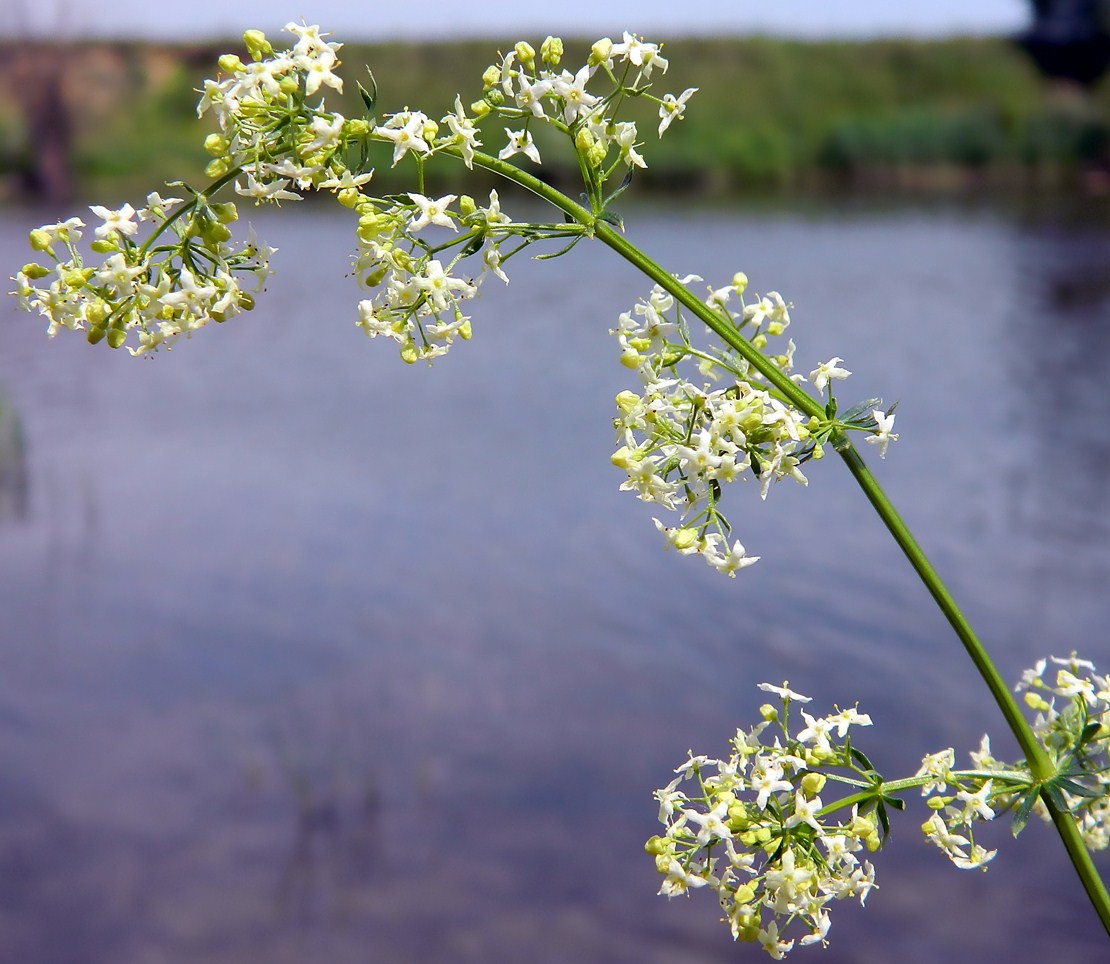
column 884, row 820
column 1077, row 789
column 1088, row 734
column 861, row 412
column 1021, row 814
column 620, row 189
column 1055, row 796
column 862, row 760
column 613, row 218
column 369, row 97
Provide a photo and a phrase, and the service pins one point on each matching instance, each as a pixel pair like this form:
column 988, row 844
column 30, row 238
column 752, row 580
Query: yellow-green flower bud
column 431, row 128
column 494, row 97
column 775, row 328
column 631, row 359
column 230, row 63
column 684, row 538
column 217, row 145
column 656, row 845
column 289, row 84
column 1036, row 701
column 768, row 712
column 40, row 239
column 739, row 282
column 409, row 354
column 813, row 783
column 95, row 335
column 116, row 337
column 936, row 803
column 760, row 341
column 34, row 271
column 525, row 53
column 738, row 818
column 663, row 863
column 97, row 314
column 215, row 233
column 745, row 894
column 595, row 156
column 466, row 332
column 479, row 109
column 217, row 167
column 246, row 301
column 374, row 278
column 257, row 45
column 77, row 277
column 225, row 211
column 467, row 205
column 627, row 401
column 492, row 76
column 624, row 457
column 551, row 51
column 600, row 51
column 349, row 197
column 105, row 245
column 356, row 128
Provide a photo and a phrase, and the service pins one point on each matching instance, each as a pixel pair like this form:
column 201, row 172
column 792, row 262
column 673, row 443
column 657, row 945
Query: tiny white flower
column 673, row 108
column 520, row 142
column 883, row 435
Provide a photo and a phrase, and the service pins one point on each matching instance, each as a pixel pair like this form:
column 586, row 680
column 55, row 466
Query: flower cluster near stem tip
column 753, row 826
column 680, row 439
column 1072, row 723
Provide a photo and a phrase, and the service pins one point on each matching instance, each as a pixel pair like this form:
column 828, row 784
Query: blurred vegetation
column 770, row 114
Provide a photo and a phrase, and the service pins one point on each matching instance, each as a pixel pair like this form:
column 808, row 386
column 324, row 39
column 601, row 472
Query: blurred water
column 306, row 655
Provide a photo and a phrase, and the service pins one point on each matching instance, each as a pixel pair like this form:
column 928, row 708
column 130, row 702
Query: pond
column 307, row 655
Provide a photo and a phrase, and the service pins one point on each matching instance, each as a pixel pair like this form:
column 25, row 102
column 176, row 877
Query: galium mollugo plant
column 779, row 828
column 717, row 400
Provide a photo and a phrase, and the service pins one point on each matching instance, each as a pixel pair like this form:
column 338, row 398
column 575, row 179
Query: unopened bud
column 525, row 53
column 230, row 63
column 217, row 145
column 813, row 783
column 551, row 51
column 116, row 337
column 34, row 271
column 600, row 51
column 257, row 45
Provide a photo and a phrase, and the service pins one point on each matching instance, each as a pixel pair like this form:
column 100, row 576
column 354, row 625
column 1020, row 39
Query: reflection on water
column 310, row 656
column 13, row 463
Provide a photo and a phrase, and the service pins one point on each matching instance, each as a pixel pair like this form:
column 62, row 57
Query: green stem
column 1038, row 761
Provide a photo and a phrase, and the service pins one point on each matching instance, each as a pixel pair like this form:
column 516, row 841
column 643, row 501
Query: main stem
column 1035, row 756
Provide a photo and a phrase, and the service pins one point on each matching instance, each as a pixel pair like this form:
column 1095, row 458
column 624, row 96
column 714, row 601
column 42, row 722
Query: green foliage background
column 769, row 114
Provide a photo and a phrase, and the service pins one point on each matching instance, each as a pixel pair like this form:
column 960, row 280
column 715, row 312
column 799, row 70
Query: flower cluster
column 1072, row 724
column 526, row 87
column 159, row 290
column 753, row 827
column 680, row 439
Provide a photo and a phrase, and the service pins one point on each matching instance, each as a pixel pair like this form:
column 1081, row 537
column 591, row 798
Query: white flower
column 672, row 108
column 572, row 89
column 432, row 212
column 406, row 131
column 826, row 372
column 273, row 191
column 883, row 436
column 712, row 824
column 115, row 222
column 520, row 142
column 786, row 694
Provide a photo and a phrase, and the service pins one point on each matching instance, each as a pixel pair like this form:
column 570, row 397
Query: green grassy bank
column 770, row 114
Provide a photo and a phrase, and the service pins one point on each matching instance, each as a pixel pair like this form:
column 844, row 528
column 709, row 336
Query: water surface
column 310, row 656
